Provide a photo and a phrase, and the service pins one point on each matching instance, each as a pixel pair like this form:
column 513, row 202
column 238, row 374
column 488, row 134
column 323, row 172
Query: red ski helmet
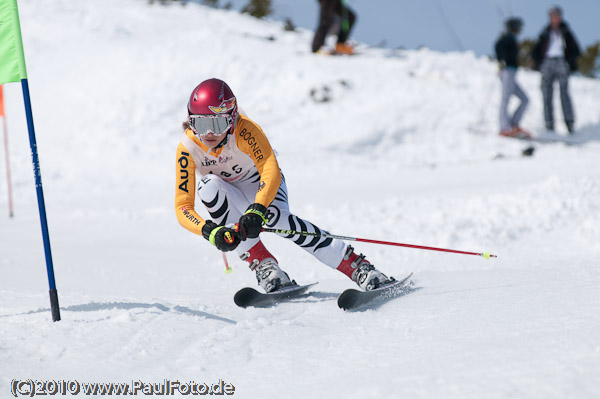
column 212, row 108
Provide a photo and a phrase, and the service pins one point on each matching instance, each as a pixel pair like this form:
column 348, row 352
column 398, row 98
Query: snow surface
column 406, row 150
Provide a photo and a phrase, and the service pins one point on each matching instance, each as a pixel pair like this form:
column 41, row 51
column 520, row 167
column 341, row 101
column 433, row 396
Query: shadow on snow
column 98, row 306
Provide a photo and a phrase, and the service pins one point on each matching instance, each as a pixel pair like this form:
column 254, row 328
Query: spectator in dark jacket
column 329, row 10
column 507, row 53
column 555, row 55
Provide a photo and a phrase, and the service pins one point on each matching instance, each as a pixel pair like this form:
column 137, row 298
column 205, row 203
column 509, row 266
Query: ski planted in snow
column 352, row 299
column 250, row 297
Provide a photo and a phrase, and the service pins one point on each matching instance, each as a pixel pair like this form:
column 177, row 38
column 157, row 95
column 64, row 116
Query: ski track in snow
column 401, row 151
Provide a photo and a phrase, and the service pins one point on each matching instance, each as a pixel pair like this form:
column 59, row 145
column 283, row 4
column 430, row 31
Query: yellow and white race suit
column 242, row 171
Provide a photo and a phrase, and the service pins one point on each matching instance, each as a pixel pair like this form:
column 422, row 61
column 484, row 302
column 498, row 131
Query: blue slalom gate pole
column 41, row 204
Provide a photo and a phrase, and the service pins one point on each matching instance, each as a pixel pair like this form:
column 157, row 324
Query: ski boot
column 361, row 271
column 343, row 48
column 516, row 132
column 268, row 274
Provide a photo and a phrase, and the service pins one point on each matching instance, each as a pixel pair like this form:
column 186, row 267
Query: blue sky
column 476, row 23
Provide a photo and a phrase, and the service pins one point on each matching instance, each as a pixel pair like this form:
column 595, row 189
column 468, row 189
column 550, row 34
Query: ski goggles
column 205, row 124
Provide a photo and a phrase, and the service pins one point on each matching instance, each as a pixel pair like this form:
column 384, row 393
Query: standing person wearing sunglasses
column 242, row 188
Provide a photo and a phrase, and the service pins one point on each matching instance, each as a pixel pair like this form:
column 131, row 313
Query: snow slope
column 400, row 152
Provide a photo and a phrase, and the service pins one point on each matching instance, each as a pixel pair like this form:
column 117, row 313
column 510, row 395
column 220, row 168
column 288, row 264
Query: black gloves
column 249, row 226
column 224, row 238
column 251, row 222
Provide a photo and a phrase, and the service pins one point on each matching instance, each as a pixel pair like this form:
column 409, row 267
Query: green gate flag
column 12, row 59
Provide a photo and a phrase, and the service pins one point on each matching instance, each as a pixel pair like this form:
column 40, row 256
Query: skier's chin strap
column 222, row 143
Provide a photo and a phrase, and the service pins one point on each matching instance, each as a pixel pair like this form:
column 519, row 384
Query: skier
column 329, row 9
column 555, row 55
column 240, row 181
column 507, row 53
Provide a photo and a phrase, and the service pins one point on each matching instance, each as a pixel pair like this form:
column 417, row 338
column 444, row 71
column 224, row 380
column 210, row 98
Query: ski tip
column 348, row 298
column 249, row 297
column 353, row 299
column 244, row 296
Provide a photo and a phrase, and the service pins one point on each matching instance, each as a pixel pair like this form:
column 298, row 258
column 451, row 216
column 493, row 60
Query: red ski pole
column 228, row 268
column 485, row 255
